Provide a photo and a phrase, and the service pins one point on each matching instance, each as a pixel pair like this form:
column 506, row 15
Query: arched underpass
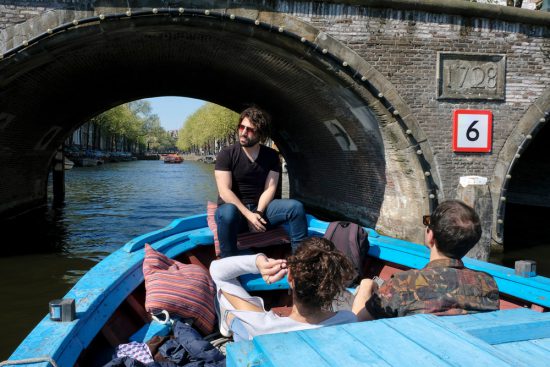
column 526, row 229
column 344, row 153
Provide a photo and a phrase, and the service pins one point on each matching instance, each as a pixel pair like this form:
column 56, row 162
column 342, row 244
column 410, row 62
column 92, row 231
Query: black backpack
column 352, row 240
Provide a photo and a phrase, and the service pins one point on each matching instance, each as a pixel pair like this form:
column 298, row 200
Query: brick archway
column 536, row 117
column 316, row 88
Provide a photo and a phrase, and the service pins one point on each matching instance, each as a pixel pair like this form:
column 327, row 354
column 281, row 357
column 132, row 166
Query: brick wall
column 403, row 46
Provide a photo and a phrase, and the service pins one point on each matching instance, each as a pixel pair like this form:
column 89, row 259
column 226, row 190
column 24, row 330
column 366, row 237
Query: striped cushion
column 184, row 290
column 275, row 236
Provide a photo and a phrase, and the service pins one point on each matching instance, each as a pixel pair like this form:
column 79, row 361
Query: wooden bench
column 419, row 340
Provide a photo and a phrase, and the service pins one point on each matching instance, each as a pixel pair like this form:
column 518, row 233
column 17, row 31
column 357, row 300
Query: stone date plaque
column 470, row 76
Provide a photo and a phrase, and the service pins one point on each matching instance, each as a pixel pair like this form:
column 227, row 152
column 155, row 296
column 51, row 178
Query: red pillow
column 184, row 290
column 210, row 212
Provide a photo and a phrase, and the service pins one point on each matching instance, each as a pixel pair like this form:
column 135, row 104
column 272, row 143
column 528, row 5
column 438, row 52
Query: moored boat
column 67, row 163
column 109, row 310
column 173, row 158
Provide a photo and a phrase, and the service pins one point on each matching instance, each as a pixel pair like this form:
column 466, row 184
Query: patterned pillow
column 210, row 212
column 184, row 290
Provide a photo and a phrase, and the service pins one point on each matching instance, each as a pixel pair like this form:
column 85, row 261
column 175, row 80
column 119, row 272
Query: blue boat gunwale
column 96, row 292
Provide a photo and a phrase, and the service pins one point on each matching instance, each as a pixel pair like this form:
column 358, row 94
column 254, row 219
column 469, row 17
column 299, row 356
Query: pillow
column 210, row 212
column 184, row 290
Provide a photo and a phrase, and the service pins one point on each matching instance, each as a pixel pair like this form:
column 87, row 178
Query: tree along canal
column 106, row 206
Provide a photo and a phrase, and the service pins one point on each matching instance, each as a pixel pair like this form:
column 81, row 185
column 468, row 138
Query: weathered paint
column 104, row 287
column 418, row 340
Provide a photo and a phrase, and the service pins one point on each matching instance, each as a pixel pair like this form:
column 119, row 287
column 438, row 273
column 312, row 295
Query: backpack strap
column 353, row 233
column 329, row 233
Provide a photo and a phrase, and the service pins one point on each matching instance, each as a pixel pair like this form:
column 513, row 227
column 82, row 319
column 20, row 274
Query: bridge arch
column 511, row 161
column 315, row 87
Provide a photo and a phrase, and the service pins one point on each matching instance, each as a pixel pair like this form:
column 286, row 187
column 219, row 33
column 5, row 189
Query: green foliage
column 210, row 122
column 135, row 122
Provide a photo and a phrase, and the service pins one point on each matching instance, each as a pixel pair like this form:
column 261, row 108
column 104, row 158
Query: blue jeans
column 231, row 222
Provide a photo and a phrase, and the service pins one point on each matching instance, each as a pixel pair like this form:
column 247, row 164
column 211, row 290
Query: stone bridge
column 362, row 93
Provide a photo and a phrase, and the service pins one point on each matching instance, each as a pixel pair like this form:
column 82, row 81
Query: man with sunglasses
column 247, row 175
column 444, row 286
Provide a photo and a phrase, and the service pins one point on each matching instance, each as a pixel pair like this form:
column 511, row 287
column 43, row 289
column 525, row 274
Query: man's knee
column 296, row 207
column 227, row 213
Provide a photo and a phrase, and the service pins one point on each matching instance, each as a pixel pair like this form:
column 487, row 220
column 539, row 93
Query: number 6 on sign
column 472, row 131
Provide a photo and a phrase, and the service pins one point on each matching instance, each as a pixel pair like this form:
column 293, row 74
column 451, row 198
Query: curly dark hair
column 260, row 119
column 320, row 272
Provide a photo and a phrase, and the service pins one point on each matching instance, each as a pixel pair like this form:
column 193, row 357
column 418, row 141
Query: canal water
column 108, row 205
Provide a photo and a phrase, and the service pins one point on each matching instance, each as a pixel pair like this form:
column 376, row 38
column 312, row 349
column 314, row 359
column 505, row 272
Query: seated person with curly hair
column 317, row 274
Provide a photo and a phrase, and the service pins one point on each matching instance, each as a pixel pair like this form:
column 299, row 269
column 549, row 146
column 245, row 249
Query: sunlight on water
column 106, row 206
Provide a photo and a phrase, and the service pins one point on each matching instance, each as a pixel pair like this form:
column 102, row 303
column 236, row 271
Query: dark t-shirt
column 247, row 178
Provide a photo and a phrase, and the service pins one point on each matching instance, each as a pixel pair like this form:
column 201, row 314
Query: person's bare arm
column 223, row 182
column 363, row 294
column 270, row 189
column 271, row 270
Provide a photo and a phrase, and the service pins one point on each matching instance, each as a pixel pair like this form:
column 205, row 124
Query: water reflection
column 105, row 207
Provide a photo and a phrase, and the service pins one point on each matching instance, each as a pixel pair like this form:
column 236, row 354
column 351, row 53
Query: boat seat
column 275, row 236
column 150, row 330
column 254, row 282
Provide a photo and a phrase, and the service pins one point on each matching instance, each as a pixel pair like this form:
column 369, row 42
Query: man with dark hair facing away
column 247, row 175
column 444, row 286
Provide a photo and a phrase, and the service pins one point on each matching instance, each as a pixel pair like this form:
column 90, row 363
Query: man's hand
column 255, row 222
column 272, row 270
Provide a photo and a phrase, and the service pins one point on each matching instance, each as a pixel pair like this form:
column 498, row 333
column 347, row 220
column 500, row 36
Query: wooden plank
column 254, row 282
column 503, row 317
column 340, row 348
column 390, row 345
column 505, row 326
column 177, row 226
column 287, row 349
column 527, row 352
column 202, row 236
column 138, row 307
column 448, row 342
column 242, row 354
column 543, row 343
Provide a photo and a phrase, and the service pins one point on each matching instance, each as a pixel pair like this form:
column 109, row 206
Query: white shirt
column 225, row 273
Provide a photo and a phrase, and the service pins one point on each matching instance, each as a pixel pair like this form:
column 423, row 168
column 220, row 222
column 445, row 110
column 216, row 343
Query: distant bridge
column 362, row 92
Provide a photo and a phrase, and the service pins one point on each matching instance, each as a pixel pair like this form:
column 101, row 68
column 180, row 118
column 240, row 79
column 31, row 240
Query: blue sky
column 173, row 111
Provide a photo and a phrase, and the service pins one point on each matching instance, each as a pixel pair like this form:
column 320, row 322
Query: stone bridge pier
column 379, row 107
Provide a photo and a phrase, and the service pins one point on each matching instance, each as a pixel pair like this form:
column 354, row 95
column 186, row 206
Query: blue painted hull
column 103, row 289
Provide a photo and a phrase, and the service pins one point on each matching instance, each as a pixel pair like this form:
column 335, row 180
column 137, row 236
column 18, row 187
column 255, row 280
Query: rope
column 30, row 360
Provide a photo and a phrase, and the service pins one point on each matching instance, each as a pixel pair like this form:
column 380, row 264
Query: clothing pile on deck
column 187, row 348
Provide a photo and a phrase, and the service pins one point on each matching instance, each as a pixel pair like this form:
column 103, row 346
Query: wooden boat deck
column 519, row 337
column 111, row 287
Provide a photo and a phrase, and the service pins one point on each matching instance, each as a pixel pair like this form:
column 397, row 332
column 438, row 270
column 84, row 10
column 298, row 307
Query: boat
column 173, row 158
column 67, row 163
column 109, row 302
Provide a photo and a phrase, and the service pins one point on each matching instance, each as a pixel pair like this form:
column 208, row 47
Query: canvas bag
column 352, row 240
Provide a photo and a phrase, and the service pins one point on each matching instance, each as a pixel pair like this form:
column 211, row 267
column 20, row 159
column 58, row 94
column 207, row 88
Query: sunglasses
column 426, row 220
column 247, row 129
